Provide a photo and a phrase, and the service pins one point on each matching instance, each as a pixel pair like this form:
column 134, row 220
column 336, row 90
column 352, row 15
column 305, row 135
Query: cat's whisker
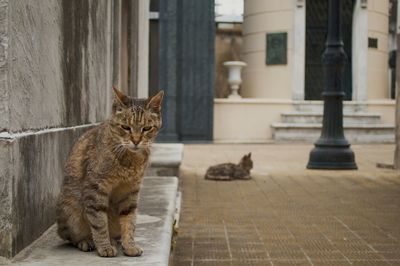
column 121, row 151
column 115, row 148
column 118, row 150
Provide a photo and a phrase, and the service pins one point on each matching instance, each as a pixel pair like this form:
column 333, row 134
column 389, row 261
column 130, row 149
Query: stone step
column 165, row 159
column 157, row 207
column 318, row 106
column 316, row 117
column 355, row 133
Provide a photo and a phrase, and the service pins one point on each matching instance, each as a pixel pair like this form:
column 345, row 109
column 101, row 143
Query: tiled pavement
column 287, row 215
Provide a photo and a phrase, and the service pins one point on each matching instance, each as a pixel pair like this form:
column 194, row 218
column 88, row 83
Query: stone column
column 143, row 48
column 299, row 50
column 360, row 51
column 117, row 40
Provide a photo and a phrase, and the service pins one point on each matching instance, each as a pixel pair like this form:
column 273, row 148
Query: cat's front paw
column 132, row 250
column 86, row 245
column 107, row 251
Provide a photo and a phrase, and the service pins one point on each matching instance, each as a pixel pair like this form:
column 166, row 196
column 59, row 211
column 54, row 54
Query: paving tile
column 250, row 255
column 286, row 215
column 291, row 262
column 326, row 255
column 395, row 248
column 371, row 262
column 251, row 262
column 390, row 255
column 211, row 254
column 287, row 255
column 212, row 263
column 178, row 262
column 331, row 262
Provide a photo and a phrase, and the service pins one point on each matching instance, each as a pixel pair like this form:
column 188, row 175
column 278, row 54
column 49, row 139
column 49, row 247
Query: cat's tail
column 217, row 177
column 62, row 227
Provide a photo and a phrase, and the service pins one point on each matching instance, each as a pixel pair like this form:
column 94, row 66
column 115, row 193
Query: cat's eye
column 126, row 128
column 146, row 128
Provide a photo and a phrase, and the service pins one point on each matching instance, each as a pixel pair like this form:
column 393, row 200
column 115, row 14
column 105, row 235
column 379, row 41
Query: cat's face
column 246, row 162
column 135, row 122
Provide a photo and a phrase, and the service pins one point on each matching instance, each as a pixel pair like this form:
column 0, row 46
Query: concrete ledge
column 345, row 126
column 31, row 172
column 165, row 159
column 354, row 133
column 153, row 233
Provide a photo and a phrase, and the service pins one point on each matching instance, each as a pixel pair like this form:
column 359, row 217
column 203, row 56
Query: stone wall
column 4, row 94
column 59, row 60
column 56, row 73
column 30, row 178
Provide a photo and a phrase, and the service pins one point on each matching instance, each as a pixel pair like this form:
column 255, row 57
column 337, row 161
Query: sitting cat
column 230, row 171
column 99, row 194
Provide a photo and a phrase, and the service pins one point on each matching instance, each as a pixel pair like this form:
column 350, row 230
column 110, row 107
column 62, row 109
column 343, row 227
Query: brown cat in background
column 230, row 171
column 99, row 195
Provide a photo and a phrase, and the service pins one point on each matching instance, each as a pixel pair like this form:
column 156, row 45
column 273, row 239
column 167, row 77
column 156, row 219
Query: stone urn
column 234, row 77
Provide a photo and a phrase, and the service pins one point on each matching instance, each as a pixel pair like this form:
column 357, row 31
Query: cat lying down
column 230, row 171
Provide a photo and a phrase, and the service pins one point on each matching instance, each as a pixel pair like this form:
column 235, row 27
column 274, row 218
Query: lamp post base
column 332, row 157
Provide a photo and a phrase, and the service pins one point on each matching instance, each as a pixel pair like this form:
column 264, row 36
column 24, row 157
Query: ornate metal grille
column 316, row 32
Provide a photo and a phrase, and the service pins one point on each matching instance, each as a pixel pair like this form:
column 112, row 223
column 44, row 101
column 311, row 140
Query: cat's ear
column 121, row 98
column 154, row 103
column 120, row 101
column 249, row 155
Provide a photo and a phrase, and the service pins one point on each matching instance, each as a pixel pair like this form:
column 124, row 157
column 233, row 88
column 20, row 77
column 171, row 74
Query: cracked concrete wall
column 4, row 93
column 38, row 161
column 6, row 219
column 59, row 56
column 55, row 72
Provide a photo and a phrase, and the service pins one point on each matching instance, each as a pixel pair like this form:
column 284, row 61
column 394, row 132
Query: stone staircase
column 305, row 124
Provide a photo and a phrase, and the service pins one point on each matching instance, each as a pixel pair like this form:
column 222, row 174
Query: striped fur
column 230, row 171
column 99, row 196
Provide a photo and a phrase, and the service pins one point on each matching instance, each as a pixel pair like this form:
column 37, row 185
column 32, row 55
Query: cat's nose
column 136, row 141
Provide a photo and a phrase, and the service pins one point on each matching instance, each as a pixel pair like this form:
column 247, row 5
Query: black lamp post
column 332, row 150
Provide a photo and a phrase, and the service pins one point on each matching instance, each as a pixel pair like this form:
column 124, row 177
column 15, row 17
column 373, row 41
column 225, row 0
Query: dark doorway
column 316, row 32
column 181, row 59
column 154, row 41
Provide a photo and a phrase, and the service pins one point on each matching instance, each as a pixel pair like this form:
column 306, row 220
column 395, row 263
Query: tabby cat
column 230, row 171
column 99, row 194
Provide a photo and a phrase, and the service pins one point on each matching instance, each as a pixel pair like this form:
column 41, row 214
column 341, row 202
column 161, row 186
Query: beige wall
column 386, row 108
column 378, row 26
column 260, row 17
column 250, row 120
column 247, row 120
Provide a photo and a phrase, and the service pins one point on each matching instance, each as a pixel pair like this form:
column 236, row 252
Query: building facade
column 283, row 42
